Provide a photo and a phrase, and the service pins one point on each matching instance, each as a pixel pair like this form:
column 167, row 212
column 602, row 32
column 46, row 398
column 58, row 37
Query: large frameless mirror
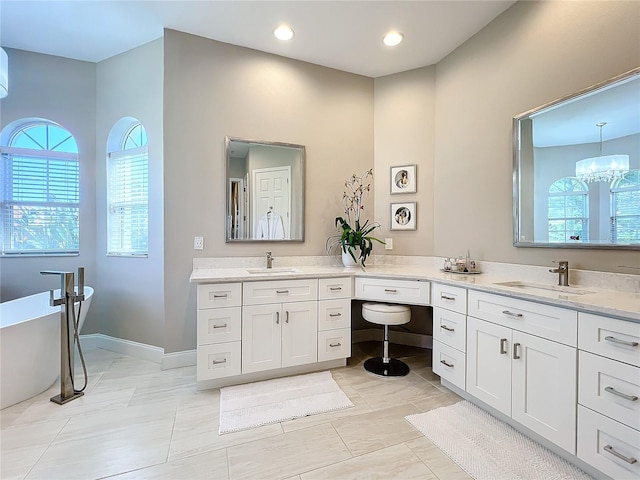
column 265, row 191
column 577, row 169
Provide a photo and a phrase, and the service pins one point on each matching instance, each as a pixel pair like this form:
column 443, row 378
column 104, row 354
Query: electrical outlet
column 198, row 243
column 388, row 243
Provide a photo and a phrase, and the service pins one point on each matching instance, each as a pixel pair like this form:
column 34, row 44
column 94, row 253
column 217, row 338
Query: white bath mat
column 489, row 449
column 272, row 401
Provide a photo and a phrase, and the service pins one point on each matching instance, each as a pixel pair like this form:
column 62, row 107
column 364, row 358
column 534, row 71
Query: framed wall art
column 403, row 179
column 403, row 216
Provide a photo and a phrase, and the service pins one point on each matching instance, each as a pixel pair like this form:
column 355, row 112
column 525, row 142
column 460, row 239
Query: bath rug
column 272, row 401
column 490, row 449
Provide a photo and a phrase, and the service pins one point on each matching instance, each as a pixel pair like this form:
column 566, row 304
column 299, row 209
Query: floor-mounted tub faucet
column 269, row 260
column 562, row 271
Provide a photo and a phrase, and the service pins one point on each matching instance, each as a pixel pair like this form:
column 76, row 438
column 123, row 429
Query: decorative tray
column 475, row 272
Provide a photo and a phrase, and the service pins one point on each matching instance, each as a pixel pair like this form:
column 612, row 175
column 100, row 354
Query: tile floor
column 138, row 422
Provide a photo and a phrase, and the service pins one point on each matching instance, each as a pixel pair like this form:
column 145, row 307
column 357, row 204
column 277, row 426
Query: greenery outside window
column 625, row 198
column 39, row 190
column 128, row 195
column 568, row 217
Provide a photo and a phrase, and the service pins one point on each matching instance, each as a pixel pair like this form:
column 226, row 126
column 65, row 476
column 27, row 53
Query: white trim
column 126, row 347
column 185, row 358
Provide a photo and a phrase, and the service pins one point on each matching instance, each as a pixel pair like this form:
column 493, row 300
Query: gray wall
column 211, row 90
column 129, row 300
column 63, row 91
column 533, row 53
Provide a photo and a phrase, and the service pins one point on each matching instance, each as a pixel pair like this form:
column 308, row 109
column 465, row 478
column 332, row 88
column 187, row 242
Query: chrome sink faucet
column 269, row 260
column 562, row 271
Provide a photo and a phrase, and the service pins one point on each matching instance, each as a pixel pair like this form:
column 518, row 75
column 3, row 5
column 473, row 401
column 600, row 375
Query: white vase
column 347, row 260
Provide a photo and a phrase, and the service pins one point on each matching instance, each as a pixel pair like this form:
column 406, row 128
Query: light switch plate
column 388, row 243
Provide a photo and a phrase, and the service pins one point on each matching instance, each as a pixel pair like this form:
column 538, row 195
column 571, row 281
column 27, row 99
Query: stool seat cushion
column 386, row 314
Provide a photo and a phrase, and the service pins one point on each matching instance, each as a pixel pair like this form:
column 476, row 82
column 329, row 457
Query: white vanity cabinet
column 609, row 395
column 449, row 332
column 334, row 318
column 279, row 324
column 218, row 330
column 513, row 368
column 392, row 290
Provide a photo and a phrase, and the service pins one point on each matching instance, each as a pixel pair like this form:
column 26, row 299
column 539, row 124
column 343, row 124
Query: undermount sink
column 274, row 270
column 549, row 288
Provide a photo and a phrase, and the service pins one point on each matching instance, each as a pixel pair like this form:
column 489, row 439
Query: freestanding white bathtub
column 30, row 345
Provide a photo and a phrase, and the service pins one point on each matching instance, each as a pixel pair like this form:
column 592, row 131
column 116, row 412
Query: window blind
column 128, row 204
column 40, row 204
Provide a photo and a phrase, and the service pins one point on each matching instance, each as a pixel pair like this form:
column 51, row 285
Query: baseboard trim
column 125, row 347
column 401, row 338
column 186, row 358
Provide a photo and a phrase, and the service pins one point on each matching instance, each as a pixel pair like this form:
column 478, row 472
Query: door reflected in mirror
column 577, row 169
column 265, row 191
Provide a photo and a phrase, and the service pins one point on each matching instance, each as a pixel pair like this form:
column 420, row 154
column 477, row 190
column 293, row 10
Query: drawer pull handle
column 511, row 314
column 390, row 290
column 335, row 345
column 218, row 362
column 220, row 295
column 335, row 289
column 515, row 351
column 621, row 342
column 335, row 314
column 613, row 391
column 447, row 328
column 282, row 291
column 503, row 346
column 609, row 448
column 446, row 364
column 220, row 326
column 277, row 318
column 445, row 297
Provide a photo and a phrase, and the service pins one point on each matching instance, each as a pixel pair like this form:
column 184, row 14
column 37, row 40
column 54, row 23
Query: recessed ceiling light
column 392, row 38
column 283, row 32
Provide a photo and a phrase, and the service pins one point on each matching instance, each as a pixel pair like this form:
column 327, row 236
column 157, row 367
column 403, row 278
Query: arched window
column 625, row 208
column 128, row 190
column 40, row 189
column 568, row 211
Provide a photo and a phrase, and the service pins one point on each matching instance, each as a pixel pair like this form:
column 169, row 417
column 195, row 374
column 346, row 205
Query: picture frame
column 403, row 216
column 403, row 179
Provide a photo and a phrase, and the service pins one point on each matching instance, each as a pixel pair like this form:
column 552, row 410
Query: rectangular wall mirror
column 265, row 191
column 577, row 169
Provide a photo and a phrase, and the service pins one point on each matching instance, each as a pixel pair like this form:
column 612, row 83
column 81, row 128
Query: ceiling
column 345, row 35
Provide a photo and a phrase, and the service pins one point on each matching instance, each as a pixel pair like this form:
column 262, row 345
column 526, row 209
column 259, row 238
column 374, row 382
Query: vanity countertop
column 621, row 304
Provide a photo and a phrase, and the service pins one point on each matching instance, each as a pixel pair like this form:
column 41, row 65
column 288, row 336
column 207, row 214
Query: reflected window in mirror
column 574, row 162
column 265, row 191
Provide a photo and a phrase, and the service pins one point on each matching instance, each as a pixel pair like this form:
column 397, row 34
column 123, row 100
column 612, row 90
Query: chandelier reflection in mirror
column 603, row 168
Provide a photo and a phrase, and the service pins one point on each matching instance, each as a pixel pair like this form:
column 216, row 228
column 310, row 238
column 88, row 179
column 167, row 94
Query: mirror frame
column 517, row 176
column 227, row 142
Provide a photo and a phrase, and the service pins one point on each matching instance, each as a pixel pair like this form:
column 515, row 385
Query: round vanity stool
column 386, row 314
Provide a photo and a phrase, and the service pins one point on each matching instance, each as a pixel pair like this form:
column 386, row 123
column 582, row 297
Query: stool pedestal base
column 394, row 368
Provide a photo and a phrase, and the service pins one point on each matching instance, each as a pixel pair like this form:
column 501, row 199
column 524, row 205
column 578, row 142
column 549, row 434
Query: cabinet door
column 544, row 388
column 261, row 337
column 489, row 363
column 299, row 333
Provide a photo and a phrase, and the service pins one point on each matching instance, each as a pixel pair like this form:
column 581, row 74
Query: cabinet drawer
column 214, row 295
column 334, row 344
column 218, row 360
column 553, row 323
column 276, row 291
column 413, row 292
column 329, row 288
column 450, row 328
column 610, row 337
column 451, row 298
column 449, row 363
column 600, row 439
column 611, row 388
column 334, row 314
column 218, row 325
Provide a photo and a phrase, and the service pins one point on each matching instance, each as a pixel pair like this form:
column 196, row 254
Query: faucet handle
column 268, row 254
